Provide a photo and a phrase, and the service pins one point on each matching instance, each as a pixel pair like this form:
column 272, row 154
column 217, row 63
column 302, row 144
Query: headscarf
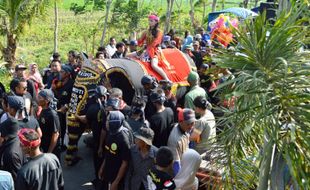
column 154, row 17
column 187, row 41
column 35, row 76
column 186, row 178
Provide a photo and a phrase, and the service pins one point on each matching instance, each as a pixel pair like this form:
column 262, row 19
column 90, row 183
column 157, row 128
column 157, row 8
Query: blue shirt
column 6, row 181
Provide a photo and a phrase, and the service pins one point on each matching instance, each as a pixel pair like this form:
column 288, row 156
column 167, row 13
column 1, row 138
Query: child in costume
column 152, row 38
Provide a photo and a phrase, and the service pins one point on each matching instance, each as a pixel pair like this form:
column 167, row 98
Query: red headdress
column 24, row 141
column 154, row 17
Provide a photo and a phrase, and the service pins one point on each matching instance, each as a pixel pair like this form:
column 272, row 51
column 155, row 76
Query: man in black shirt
column 49, row 123
column 161, row 122
column 96, row 117
column 19, row 87
column 197, row 54
column 120, row 51
column 171, row 100
column 11, row 155
column 117, row 152
column 62, row 90
column 20, row 72
column 43, row 170
column 149, row 83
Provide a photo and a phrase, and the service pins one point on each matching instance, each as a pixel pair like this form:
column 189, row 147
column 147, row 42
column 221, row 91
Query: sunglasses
column 23, row 88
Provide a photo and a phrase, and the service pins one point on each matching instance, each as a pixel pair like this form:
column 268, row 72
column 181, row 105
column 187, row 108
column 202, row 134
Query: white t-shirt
column 110, row 50
column 205, row 126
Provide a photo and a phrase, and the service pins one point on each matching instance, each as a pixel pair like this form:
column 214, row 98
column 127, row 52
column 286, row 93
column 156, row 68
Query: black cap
column 147, row 79
column 114, row 103
column 158, row 97
column 16, row 102
column 133, row 43
column 9, row 128
column 20, row 67
column 47, row 94
column 67, row 68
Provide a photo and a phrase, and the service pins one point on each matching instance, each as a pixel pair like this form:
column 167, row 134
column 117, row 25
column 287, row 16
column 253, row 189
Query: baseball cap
column 47, row 94
column 20, row 67
column 133, row 43
column 115, row 119
column 192, row 77
column 16, row 102
column 186, row 114
column 157, row 97
column 114, row 103
column 198, row 36
column 204, row 66
column 145, row 134
column 67, row 68
column 147, row 79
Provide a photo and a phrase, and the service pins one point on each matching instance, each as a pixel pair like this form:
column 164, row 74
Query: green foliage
column 5, row 77
column 270, row 120
column 135, row 14
column 88, row 6
column 18, row 13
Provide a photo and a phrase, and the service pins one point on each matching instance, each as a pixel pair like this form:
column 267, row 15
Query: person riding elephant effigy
column 152, row 38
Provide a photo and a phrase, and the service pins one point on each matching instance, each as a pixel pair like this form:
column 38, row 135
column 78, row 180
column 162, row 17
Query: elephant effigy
column 125, row 74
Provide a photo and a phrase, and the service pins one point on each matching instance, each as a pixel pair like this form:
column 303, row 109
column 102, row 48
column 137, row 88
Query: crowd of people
column 155, row 143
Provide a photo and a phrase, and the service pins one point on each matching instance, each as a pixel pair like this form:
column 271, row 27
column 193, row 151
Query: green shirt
column 192, row 94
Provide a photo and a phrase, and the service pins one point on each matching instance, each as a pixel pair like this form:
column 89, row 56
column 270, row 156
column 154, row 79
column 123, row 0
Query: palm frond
column 271, row 117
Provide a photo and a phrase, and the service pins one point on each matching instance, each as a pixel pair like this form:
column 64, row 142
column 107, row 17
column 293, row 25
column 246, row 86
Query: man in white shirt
column 111, row 47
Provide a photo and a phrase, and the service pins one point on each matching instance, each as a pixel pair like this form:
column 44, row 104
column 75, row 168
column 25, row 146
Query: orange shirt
column 151, row 42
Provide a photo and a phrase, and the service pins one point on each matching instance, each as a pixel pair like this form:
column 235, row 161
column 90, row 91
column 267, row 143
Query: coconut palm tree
column 15, row 15
column 265, row 143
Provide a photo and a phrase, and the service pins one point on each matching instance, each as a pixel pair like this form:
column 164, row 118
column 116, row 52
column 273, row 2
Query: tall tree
column 178, row 3
column 192, row 14
column 204, row 5
column 213, row 5
column 105, row 25
column 134, row 12
column 168, row 15
column 255, row 3
column 56, row 27
column 245, row 3
column 15, row 15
